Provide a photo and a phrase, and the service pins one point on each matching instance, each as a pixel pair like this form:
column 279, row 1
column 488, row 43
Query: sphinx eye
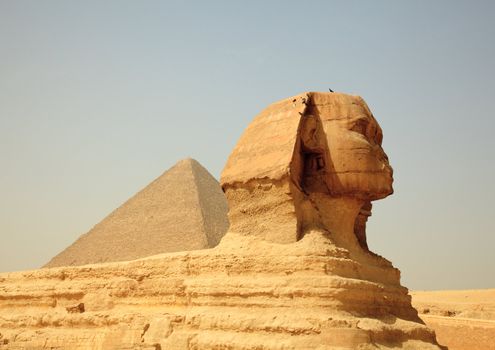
column 360, row 126
column 373, row 131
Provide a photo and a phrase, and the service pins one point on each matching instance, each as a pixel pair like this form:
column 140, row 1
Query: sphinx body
column 293, row 272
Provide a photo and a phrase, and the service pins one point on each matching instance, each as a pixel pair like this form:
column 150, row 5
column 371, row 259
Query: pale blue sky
column 97, row 98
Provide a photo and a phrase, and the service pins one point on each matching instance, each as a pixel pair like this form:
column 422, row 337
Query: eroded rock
column 75, row 309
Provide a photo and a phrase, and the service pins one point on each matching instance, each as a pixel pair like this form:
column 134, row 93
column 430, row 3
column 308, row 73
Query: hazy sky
column 98, row 98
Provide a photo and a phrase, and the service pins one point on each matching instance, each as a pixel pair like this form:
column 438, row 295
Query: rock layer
column 243, row 294
column 183, row 209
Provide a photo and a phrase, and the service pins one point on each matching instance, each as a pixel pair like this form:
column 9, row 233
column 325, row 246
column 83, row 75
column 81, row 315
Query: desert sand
column 462, row 319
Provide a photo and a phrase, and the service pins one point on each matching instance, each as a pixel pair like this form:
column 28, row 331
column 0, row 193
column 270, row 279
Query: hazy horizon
column 98, row 99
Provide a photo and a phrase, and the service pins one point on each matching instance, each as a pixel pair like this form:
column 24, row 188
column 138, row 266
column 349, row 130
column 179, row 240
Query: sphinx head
column 340, row 144
column 299, row 158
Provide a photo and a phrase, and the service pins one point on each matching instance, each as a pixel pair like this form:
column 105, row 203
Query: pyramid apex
column 193, row 165
column 186, row 161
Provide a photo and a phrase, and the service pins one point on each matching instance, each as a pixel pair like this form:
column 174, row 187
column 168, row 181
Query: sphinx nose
column 380, row 154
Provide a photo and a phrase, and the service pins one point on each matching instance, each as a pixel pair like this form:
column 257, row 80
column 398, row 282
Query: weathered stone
column 79, row 308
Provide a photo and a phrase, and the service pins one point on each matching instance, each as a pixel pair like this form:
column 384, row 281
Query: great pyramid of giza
column 183, row 209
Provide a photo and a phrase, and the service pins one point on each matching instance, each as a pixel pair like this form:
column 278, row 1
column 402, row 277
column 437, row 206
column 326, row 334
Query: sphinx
column 292, row 272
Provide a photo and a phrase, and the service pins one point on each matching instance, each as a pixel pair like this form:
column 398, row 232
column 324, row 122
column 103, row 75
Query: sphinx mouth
column 386, row 168
column 391, row 173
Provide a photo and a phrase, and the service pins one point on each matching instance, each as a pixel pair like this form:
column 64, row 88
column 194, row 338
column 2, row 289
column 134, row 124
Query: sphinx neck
column 337, row 215
column 340, row 214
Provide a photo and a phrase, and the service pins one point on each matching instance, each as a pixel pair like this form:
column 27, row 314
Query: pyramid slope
column 183, row 209
column 213, row 204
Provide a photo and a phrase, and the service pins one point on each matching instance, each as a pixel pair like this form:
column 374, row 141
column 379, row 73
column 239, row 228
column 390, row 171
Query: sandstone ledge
column 243, row 294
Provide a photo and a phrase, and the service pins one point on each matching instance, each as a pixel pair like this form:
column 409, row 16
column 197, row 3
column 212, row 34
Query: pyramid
column 183, row 209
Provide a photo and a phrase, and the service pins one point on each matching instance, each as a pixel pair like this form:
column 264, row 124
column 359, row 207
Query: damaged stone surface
column 79, row 308
column 292, row 272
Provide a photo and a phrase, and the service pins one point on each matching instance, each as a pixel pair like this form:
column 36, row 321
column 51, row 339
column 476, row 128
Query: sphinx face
column 357, row 165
